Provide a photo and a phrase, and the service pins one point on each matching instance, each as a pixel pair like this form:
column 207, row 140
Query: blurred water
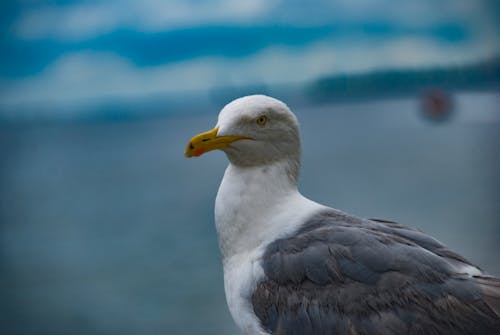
column 107, row 228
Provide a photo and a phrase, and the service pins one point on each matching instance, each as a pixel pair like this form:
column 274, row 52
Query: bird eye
column 262, row 120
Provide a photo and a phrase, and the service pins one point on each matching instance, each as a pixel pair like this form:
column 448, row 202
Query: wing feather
column 343, row 275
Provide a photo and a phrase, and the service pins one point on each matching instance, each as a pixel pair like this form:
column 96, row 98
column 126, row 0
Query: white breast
column 253, row 208
column 241, row 273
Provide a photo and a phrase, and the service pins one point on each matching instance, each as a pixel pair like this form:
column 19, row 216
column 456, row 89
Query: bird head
column 252, row 130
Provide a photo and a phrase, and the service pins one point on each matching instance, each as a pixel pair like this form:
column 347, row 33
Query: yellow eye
column 261, row 120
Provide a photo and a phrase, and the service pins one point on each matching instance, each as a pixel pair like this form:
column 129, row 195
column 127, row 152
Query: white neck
column 257, row 204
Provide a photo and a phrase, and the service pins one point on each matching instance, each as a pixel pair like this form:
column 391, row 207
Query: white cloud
column 75, row 22
column 79, row 78
column 82, row 21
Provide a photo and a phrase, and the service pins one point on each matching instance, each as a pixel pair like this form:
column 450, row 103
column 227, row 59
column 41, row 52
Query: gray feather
column 339, row 274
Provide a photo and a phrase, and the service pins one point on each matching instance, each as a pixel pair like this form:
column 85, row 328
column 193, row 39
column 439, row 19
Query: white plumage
column 256, row 203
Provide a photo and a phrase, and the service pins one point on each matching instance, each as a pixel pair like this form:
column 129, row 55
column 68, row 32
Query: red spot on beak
column 198, row 152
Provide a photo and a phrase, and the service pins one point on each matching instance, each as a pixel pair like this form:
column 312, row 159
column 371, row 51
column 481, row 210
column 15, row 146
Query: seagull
column 294, row 266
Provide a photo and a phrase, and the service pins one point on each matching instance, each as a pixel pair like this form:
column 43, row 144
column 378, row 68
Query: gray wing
column 343, row 275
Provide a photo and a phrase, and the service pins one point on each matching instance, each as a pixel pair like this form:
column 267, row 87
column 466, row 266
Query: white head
column 253, row 130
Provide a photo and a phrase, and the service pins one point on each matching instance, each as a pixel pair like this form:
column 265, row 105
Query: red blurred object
column 436, row 104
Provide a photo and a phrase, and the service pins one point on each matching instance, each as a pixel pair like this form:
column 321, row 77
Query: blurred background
column 106, row 228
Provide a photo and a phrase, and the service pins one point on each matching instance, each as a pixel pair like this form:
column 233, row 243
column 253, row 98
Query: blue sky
column 67, row 53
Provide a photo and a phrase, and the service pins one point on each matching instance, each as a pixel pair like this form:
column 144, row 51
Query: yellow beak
column 209, row 141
